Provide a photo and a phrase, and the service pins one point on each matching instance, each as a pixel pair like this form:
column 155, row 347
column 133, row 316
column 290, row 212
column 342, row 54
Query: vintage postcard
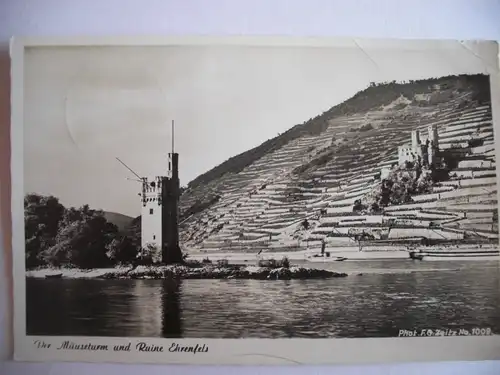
column 250, row 200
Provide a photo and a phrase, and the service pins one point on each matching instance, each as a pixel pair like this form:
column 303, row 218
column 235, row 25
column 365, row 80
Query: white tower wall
column 151, row 215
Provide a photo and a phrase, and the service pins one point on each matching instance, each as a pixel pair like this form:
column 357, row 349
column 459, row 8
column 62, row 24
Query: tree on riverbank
column 80, row 237
column 122, row 250
column 41, row 216
column 83, row 237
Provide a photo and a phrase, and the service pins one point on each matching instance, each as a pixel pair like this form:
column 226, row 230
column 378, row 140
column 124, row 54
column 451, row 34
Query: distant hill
column 120, row 220
column 133, row 231
column 329, row 162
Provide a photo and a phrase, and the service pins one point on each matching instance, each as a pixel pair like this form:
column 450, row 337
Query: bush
column 475, row 142
column 285, row 263
column 362, row 128
column 451, row 157
column 398, row 188
column 375, row 208
column 366, row 127
column 222, row 263
column 121, row 250
column 316, row 162
column 273, row 263
column 358, row 206
column 305, row 224
column 150, row 254
column 399, row 107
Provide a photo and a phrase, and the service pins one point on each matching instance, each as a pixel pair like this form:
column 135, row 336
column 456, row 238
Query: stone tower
column 160, row 213
column 433, row 146
column 416, row 146
column 170, row 250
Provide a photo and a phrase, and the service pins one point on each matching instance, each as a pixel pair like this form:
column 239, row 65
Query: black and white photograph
column 246, row 191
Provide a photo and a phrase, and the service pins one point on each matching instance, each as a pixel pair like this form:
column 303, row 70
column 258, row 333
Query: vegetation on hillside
column 316, row 162
column 200, row 205
column 120, row 220
column 376, row 95
column 203, row 190
column 398, row 188
column 410, row 179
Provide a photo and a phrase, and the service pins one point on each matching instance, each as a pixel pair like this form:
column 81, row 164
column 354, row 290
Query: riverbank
column 346, row 253
column 309, row 255
column 184, row 272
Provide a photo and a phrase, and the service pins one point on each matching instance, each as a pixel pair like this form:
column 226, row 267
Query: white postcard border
column 223, row 351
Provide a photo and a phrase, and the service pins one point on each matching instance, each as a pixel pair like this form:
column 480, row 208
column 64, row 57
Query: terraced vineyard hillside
column 310, row 183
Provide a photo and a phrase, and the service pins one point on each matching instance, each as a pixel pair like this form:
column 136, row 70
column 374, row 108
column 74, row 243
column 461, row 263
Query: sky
column 86, row 106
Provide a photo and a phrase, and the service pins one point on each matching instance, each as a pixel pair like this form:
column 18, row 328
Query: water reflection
column 171, row 308
column 375, row 304
column 142, row 308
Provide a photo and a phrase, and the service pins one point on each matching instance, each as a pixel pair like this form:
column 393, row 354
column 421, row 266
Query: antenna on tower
column 173, row 136
column 130, row 169
column 142, row 180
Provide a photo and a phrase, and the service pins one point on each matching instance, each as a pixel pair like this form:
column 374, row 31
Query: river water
column 377, row 299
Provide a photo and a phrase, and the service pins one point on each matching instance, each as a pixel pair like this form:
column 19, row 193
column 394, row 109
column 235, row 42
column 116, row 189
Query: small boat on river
column 456, row 254
column 416, row 255
column 323, row 259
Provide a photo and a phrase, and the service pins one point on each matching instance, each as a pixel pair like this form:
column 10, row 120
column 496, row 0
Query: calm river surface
column 388, row 296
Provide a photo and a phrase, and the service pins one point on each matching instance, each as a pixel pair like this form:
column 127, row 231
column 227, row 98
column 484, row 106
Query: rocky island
column 186, row 272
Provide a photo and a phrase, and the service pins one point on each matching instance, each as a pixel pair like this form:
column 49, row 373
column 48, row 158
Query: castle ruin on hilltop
column 418, row 151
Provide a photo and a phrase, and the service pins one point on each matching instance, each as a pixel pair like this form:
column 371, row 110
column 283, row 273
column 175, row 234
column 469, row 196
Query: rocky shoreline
column 184, row 272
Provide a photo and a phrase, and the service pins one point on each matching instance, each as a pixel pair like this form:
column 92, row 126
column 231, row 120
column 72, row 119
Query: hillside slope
column 322, row 169
column 120, row 220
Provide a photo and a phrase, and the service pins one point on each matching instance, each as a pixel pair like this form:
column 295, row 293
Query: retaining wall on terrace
column 268, row 210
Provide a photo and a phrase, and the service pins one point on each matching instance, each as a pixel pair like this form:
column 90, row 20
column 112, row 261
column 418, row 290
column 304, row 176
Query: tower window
column 154, row 237
column 151, row 211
